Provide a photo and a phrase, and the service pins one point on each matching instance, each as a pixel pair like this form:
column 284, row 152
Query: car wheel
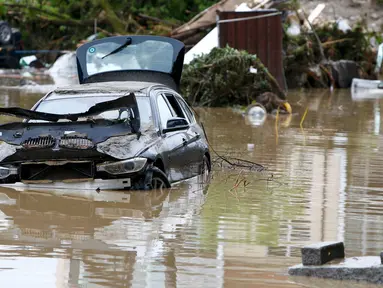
column 155, row 179
column 5, row 33
column 158, row 182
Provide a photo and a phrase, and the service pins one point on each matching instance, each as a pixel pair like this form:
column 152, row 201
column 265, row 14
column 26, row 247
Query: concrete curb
column 316, row 258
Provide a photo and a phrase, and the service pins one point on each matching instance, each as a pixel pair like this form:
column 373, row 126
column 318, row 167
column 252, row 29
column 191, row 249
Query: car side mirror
column 175, row 124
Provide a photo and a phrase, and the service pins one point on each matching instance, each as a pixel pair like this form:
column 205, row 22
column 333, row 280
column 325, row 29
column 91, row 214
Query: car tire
column 155, row 179
column 159, row 179
column 5, row 33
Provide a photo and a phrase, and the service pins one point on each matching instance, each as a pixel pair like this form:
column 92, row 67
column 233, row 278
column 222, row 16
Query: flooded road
column 326, row 185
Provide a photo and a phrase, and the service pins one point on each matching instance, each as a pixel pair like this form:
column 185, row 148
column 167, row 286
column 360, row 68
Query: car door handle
column 184, row 142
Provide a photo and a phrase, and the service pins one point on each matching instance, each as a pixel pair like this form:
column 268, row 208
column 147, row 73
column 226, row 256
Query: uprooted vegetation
column 224, row 77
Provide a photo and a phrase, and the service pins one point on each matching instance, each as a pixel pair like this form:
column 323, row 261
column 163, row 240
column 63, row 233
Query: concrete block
column 321, row 253
column 366, row 268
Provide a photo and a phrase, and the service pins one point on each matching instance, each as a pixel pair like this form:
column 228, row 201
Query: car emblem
column 92, row 50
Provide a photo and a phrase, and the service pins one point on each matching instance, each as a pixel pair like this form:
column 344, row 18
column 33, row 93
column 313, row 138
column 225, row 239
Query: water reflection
column 326, row 186
column 102, row 243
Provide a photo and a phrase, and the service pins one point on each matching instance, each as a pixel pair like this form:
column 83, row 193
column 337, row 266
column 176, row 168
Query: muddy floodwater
column 325, row 184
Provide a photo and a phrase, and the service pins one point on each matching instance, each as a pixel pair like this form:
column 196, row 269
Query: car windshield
column 147, row 55
column 82, row 104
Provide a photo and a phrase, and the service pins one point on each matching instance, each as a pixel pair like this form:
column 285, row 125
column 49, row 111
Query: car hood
column 111, row 137
column 128, row 102
column 131, row 58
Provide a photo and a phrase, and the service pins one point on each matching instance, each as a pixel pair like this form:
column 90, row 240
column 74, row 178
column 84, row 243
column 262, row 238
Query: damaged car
column 125, row 126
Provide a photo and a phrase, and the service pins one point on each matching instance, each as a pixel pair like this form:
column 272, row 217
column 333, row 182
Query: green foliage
column 177, row 10
column 62, row 24
column 222, row 78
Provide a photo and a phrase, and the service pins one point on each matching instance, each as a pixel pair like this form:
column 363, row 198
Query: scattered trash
column 256, row 114
column 253, row 70
column 379, row 59
column 250, row 147
column 294, row 28
column 314, row 15
column 343, row 72
column 31, row 61
column 363, row 89
column 343, row 25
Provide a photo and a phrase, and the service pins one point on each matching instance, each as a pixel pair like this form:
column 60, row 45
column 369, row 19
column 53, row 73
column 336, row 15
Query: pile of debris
column 317, row 54
column 328, row 54
column 226, row 76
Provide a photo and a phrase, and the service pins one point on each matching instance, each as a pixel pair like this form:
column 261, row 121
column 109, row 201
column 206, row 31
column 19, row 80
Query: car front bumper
column 59, row 175
column 92, row 184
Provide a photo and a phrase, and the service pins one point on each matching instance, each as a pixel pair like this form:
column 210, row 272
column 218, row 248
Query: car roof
column 104, row 88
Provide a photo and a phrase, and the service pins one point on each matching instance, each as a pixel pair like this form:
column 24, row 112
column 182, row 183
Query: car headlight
column 5, row 172
column 7, row 150
column 123, row 167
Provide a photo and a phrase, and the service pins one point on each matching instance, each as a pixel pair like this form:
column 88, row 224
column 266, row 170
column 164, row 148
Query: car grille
column 75, row 143
column 57, row 171
column 39, row 142
column 71, row 142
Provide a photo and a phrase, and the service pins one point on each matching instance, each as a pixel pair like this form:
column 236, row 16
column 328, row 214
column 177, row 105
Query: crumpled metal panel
column 127, row 146
column 7, row 150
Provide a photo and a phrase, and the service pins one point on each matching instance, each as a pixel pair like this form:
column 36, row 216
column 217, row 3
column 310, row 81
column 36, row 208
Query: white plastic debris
column 379, row 59
column 27, row 60
column 343, row 25
column 294, row 29
column 256, row 115
column 253, row 70
column 315, row 14
column 250, row 147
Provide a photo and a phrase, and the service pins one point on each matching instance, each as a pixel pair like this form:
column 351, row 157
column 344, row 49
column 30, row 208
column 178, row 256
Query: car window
column 165, row 111
column 174, row 104
column 152, row 55
column 186, row 109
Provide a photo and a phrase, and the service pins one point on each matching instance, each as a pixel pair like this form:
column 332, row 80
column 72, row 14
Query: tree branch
column 155, row 19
